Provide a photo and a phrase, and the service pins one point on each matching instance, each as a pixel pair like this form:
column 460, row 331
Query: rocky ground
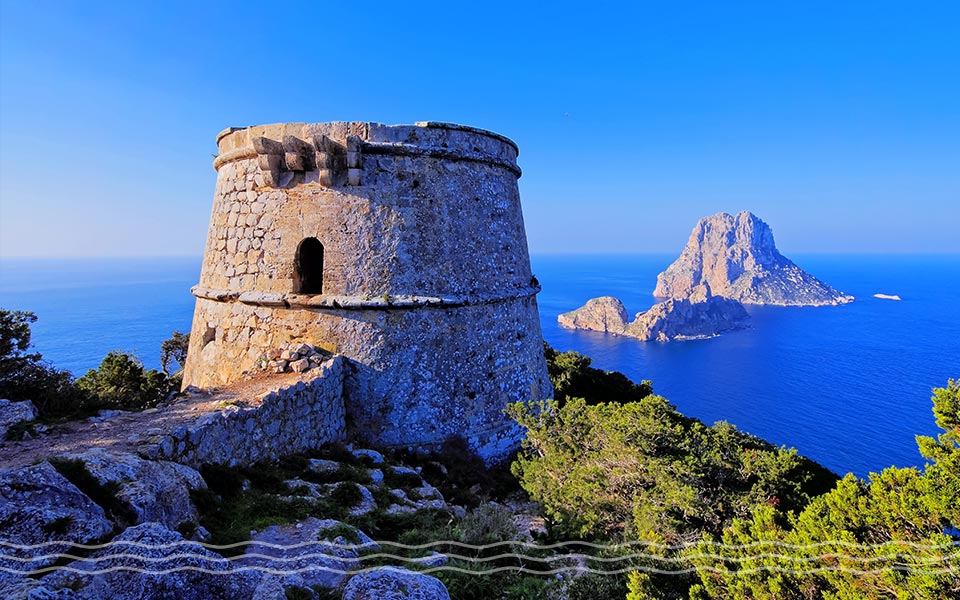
column 121, row 431
column 83, row 515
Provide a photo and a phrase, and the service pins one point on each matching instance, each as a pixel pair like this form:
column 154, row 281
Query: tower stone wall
column 422, row 278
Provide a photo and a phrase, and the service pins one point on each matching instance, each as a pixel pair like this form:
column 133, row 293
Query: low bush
column 122, row 382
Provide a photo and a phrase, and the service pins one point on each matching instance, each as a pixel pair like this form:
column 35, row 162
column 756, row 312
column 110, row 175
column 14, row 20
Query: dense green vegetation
column 888, row 537
column 744, row 518
column 120, row 382
column 25, row 375
column 573, row 377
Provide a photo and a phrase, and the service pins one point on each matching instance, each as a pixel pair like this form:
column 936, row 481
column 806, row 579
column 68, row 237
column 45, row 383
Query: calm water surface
column 848, row 386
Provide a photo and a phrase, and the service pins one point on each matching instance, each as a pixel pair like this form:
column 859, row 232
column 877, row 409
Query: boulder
column 157, row 491
column 40, row 508
column 299, row 366
column 392, row 583
column 605, row 314
column 13, row 413
column 148, row 562
column 369, row 456
column 315, row 550
column 402, row 470
column 323, row 467
column 739, row 260
column 367, row 503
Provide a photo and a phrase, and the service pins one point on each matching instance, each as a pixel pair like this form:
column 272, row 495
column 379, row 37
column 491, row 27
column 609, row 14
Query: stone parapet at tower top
column 401, row 247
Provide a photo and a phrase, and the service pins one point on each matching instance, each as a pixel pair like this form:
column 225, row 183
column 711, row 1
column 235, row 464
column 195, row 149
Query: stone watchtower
column 401, row 247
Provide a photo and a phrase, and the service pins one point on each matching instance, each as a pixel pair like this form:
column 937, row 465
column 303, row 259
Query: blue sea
column 848, row 386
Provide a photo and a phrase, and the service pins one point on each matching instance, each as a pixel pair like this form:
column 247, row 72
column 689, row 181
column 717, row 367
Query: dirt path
column 126, row 432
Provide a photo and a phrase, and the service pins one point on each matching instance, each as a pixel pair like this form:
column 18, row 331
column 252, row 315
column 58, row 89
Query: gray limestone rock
column 702, row 315
column 371, row 456
column 157, row 491
column 148, row 562
column 25, row 588
column 323, row 467
column 697, row 316
column 315, row 549
column 38, row 506
column 12, row 413
column 402, row 470
column 392, row 583
column 738, row 258
column 299, row 366
column 605, row 314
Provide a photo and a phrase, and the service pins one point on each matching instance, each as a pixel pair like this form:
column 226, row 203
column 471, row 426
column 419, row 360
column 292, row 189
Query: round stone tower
column 401, row 247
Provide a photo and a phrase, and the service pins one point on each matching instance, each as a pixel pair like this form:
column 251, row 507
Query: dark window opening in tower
column 308, row 267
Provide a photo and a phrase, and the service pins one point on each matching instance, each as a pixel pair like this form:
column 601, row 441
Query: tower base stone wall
column 414, row 376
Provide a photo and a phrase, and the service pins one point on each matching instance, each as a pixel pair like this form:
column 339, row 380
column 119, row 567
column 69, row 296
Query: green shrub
column 643, row 469
column 528, row 588
column 346, row 494
column 487, row 524
column 122, row 382
column 173, row 351
column 26, row 376
column 597, row 587
column 573, row 377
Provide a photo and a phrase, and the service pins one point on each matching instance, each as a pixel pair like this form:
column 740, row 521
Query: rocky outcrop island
column 698, row 316
column 727, row 262
column 739, row 260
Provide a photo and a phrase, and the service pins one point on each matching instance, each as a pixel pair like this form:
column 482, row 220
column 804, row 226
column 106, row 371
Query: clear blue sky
column 836, row 122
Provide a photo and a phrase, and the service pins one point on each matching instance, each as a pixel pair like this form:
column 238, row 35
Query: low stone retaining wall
column 291, row 419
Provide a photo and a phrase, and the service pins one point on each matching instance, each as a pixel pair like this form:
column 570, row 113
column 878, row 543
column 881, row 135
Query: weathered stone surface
column 156, row 491
column 392, row 583
column 12, row 413
column 291, row 419
column 39, row 505
column 441, row 329
column 702, row 315
column 738, row 259
column 322, row 466
column 25, row 588
column 156, row 564
column 313, row 548
column 605, row 314
column 371, row 456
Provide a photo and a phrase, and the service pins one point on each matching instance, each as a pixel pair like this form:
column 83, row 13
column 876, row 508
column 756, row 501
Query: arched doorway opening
column 308, row 267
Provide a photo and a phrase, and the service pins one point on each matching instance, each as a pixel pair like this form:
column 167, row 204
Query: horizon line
column 532, row 254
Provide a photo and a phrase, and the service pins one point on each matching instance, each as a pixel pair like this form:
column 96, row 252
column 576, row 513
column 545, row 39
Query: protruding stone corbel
column 354, row 160
column 269, row 158
column 298, row 154
column 331, row 160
